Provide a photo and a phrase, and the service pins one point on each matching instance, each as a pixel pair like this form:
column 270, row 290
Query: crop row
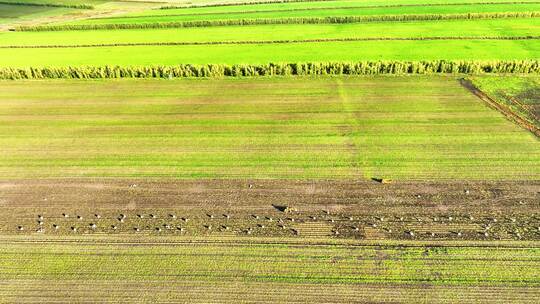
column 299, row 20
column 172, row 43
column 79, row 6
column 279, row 69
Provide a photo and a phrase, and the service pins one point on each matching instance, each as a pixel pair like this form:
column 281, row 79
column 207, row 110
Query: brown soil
column 341, row 209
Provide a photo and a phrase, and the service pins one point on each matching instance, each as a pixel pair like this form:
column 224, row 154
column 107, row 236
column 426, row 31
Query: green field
column 477, row 39
column 453, row 9
column 264, row 270
column 337, row 151
column 14, row 13
column 402, row 128
column 200, row 8
column 264, row 53
column 416, row 29
column 520, row 94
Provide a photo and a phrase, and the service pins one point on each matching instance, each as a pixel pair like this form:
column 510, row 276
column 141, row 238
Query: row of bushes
column 172, row 43
column 293, row 1
column 299, row 20
column 279, row 69
column 48, row 4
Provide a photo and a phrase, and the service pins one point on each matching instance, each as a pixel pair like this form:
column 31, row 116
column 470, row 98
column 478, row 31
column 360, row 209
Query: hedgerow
column 277, row 69
column 299, row 20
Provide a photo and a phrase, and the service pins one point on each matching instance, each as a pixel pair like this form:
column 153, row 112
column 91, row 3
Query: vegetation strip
column 300, row 20
column 79, row 6
column 296, row 1
column 241, row 3
column 270, row 41
column 324, row 9
column 499, row 107
column 280, row 69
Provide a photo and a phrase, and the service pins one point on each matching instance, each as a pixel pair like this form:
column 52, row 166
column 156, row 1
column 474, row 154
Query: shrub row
column 80, row 6
column 172, row 43
column 292, row 1
column 299, row 20
column 279, row 69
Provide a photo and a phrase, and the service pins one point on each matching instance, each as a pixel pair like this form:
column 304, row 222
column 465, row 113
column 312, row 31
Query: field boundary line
column 288, row 20
column 509, row 114
column 240, row 241
column 267, row 41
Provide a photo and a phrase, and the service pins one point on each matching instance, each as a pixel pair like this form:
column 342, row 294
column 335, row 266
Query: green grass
column 452, row 49
column 236, row 271
column 322, row 13
column 265, row 53
column 448, row 28
column 14, row 13
column 521, row 94
column 406, row 128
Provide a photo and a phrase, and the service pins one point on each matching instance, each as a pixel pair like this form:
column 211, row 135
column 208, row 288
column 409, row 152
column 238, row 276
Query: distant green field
column 264, row 53
column 478, row 39
column 275, row 5
column 418, row 29
column 229, row 270
column 452, row 9
column 406, row 128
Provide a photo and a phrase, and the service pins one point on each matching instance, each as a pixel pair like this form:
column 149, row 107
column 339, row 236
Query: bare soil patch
column 345, row 209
